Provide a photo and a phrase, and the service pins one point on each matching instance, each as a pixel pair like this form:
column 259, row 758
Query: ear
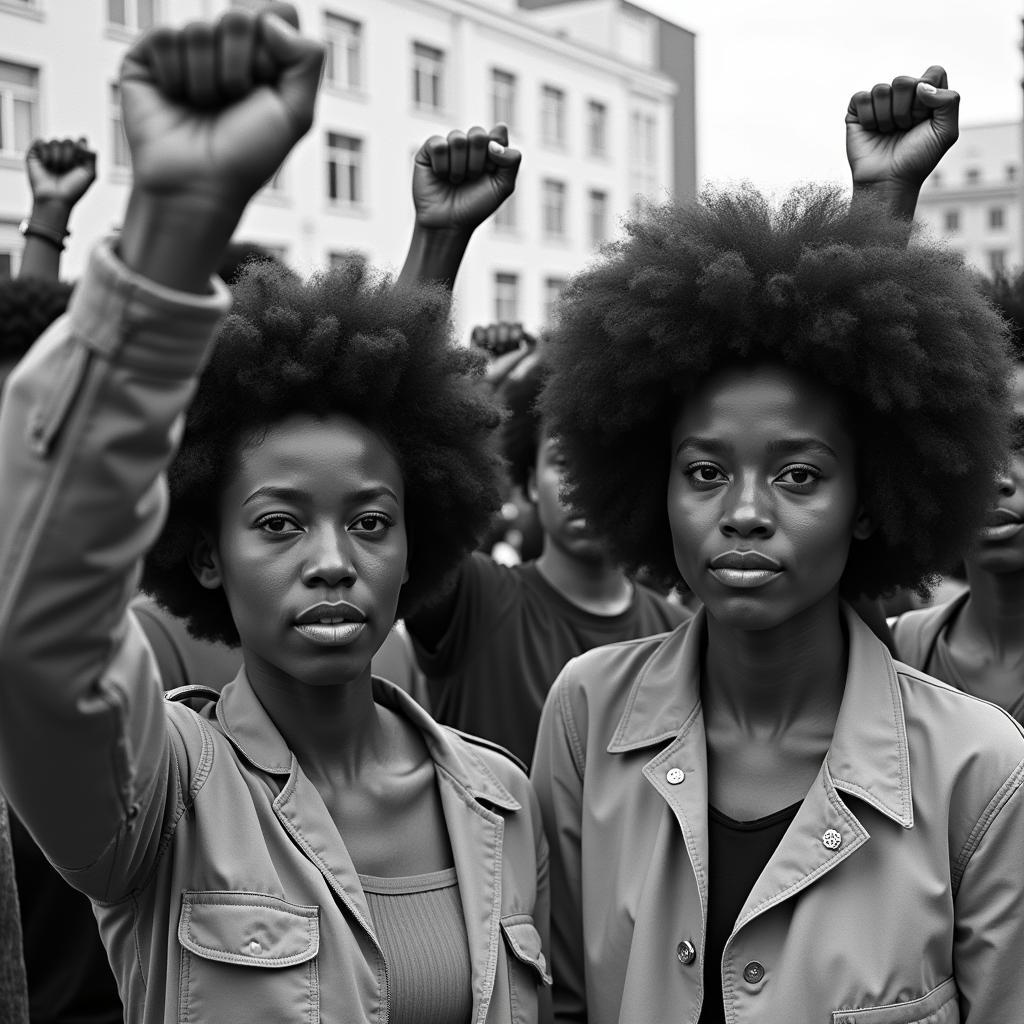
column 204, row 561
column 863, row 525
column 531, row 486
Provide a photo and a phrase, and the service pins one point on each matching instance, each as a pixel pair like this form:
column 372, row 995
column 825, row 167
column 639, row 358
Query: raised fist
column 60, row 170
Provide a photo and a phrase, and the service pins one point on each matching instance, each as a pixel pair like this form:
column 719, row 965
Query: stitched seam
column 492, row 958
column 981, row 827
column 576, row 751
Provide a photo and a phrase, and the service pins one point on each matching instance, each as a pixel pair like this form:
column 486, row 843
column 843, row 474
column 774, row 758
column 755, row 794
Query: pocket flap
column 524, row 941
column 248, row 928
column 936, row 1007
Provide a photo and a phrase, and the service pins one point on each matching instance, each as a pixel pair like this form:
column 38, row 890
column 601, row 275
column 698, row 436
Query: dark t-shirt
column 738, row 852
column 509, row 636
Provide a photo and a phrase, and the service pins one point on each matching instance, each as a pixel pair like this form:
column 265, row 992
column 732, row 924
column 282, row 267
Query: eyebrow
column 783, row 446
column 296, row 496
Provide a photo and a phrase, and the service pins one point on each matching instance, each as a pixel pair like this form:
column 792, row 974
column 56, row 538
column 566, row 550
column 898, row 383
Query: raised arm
column 457, row 183
column 88, row 425
column 897, row 133
column 60, row 172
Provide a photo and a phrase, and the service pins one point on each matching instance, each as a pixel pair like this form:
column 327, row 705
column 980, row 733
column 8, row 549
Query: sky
column 774, row 77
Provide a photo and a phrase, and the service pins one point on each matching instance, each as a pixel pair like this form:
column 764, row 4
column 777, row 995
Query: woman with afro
column 763, row 817
column 307, row 845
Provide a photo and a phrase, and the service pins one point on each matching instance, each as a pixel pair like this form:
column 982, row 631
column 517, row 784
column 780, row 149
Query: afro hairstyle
column 911, row 348
column 28, row 305
column 521, row 430
column 343, row 342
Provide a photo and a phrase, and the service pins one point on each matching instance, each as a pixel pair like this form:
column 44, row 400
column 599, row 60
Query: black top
column 509, row 635
column 738, row 852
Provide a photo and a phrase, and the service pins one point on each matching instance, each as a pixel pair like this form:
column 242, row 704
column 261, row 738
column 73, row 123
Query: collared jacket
column 223, row 889
column 895, row 897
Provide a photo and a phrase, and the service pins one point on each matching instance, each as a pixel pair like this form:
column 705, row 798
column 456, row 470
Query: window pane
column 6, row 265
column 18, row 75
column 116, row 12
column 24, row 125
column 147, row 14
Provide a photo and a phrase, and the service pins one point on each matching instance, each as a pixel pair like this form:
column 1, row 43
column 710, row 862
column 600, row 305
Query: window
column 503, row 97
column 19, row 108
column 343, row 61
column 506, row 298
column 6, row 264
column 134, row 15
column 997, row 261
column 952, row 221
column 11, row 244
column 121, row 155
column 344, row 168
column 598, row 216
column 643, row 155
column 507, row 215
column 553, row 209
column 996, row 218
column 552, row 115
column 552, row 291
column 427, row 77
column 973, row 175
column 597, row 128
column 339, row 259
column 1011, row 172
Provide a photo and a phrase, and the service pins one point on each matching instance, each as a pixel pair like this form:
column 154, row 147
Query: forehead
column 332, row 456
column 1018, row 389
column 746, row 405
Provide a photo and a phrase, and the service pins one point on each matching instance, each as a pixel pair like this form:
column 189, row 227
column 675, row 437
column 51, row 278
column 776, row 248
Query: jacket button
column 831, row 840
column 255, row 948
column 685, row 952
column 674, row 776
column 753, row 972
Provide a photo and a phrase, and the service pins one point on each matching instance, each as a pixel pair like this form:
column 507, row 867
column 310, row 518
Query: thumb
column 503, row 156
column 945, row 107
column 299, row 60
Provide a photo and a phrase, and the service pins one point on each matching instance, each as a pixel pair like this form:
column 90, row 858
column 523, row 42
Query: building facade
column 597, row 124
column 973, row 199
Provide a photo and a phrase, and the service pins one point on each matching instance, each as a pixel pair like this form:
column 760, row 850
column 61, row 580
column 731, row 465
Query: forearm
column 899, row 200
column 434, row 256
column 41, row 256
column 88, row 424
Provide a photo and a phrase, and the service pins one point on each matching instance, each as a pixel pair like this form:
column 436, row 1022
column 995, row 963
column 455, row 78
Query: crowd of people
column 282, row 739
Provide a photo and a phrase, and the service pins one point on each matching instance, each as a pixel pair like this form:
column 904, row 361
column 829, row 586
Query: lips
column 1002, row 517
column 1001, row 524
column 331, row 623
column 744, row 569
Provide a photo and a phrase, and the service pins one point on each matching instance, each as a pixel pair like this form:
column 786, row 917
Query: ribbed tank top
column 421, row 929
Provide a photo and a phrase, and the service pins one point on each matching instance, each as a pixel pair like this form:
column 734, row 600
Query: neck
column 767, row 680
column 332, row 729
column 596, row 586
column 994, row 612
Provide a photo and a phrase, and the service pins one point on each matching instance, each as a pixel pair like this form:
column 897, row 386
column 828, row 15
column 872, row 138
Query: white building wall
column 475, row 35
column 979, row 176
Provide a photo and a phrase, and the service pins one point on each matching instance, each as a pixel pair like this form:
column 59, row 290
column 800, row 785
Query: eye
column 705, row 474
column 799, row 477
column 277, row 523
column 372, row 522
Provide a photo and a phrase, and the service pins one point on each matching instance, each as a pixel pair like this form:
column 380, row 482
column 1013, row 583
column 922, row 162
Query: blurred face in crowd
column 311, row 549
column 762, row 495
column 1000, row 546
column 563, row 527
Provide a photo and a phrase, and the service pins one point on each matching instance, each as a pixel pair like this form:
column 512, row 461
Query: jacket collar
column 251, row 730
column 869, row 756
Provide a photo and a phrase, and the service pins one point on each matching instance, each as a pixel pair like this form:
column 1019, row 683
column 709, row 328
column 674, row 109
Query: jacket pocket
column 940, row 1006
column 527, row 967
column 246, row 956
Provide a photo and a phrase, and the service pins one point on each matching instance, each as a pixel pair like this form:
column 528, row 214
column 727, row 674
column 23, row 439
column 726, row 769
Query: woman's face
column 762, row 494
column 311, row 548
column 1000, row 547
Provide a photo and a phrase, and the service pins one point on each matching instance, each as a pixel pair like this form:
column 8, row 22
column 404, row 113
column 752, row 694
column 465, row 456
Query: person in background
column 976, row 640
column 762, row 816
column 308, row 844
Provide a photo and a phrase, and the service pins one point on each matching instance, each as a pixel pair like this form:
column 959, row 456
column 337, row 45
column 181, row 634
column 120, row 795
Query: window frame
column 334, row 145
column 553, row 120
column 426, row 56
column 12, row 93
column 339, row 40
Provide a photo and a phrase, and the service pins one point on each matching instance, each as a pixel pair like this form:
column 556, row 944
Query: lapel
column 868, row 758
column 471, row 797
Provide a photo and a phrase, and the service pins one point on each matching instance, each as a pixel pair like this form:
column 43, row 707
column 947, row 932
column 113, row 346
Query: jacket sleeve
column 989, row 910
column 89, row 421
column 557, row 777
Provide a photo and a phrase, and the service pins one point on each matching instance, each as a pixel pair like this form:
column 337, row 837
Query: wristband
column 52, row 235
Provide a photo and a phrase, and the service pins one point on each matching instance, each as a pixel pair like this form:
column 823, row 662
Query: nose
column 747, row 511
column 329, row 560
column 1011, row 477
